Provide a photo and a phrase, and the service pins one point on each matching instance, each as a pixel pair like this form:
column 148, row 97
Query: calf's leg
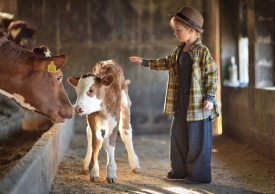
column 88, row 157
column 94, row 166
column 96, row 143
column 125, row 130
column 109, row 145
column 126, row 136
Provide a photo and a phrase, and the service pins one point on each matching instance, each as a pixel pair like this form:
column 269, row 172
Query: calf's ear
column 73, row 81
column 107, row 80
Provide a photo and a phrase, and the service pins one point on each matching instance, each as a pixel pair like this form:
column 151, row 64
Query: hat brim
column 200, row 30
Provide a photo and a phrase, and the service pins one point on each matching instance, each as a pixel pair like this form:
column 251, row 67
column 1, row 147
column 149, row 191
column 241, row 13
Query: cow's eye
column 59, row 78
column 91, row 90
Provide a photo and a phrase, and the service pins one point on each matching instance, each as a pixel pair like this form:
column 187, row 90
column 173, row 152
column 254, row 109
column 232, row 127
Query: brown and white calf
column 103, row 97
column 28, row 78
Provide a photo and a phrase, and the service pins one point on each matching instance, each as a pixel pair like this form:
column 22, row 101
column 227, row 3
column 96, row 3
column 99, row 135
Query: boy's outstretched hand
column 208, row 105
column 136, row 59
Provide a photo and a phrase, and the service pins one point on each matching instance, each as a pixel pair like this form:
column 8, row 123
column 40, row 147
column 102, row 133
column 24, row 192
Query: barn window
column 264, row 44
column 243, row 46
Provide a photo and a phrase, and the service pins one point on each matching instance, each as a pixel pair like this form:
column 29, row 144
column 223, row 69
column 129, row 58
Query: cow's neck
column 19, row 99
column 13, row 58
column 4, row 90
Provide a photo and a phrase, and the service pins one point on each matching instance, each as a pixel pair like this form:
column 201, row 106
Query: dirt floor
column 15, row 147
column 235, row 169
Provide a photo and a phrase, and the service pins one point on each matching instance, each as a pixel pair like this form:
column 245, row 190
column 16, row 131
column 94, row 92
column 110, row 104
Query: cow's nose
column 78, row 110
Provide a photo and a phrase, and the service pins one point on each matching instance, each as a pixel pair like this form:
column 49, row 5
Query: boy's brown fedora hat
column 190, row 16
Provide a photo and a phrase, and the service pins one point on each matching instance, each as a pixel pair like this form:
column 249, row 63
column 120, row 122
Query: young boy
column 190, row 98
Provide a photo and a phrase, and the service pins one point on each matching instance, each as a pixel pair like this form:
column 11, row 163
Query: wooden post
column 212, row 41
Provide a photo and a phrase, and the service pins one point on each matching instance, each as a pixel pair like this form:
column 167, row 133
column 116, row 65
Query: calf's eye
column 91, row 90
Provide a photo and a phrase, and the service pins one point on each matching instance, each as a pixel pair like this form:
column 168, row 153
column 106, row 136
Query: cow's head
column 90, row 92
column 34, row 81
column 46, row 85
column 22, row 33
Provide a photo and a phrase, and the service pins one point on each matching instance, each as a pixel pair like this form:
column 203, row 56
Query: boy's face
column 181, row 32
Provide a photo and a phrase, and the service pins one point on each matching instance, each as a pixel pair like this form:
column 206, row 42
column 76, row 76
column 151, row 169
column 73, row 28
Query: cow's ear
column 107, row 80
column 73, row 81
column 59, row 60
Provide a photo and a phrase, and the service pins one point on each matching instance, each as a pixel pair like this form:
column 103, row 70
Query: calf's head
column 90, row 92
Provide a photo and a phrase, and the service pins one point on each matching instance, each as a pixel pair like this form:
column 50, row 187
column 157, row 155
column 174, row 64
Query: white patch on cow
column 107, row 124
column 19, row 99
column 111, row 163
column 124, row 99
column 107, row 62
column 15, row 32
column 6, row 15
column 95, row 170
column 48, row 53
column 86, row 103
column 100, row 124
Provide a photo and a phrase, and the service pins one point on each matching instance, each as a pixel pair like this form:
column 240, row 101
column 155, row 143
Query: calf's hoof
column 85, row 168
column 136, row 170
column 111, row 180
column 94, row 179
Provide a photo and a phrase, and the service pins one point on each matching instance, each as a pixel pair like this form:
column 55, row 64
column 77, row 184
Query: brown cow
column 5, row 20
column 18, row 31
column 22, row 33
column 103, row 96
column 26, row 77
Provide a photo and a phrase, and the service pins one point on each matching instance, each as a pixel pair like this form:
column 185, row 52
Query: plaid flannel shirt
column 203, row 82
